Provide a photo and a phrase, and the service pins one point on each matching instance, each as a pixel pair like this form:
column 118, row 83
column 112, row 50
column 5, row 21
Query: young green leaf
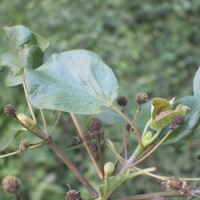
column 165, row 117
column 75, row 81
column 159, row 105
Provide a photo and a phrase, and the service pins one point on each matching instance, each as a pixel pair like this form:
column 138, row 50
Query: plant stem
column 72, row 167
column 136, row 112
column 130, row 122
column 17, row 197
column 44, row 121
column 152, row 195
column 152, row 150
column 78, row 127
column 100, row 156
column 18, row 152
column 29, row 104
column 56, row 122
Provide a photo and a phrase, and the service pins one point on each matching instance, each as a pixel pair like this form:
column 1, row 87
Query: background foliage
column 151, row 46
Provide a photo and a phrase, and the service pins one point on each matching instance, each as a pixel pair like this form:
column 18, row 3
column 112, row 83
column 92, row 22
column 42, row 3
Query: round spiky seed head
column 72, row 195
column 11, row 184
column 94, row 124
column 23, row 145
column 141, row 98
column 178, row 120
column 10, row 110
column 122, row 101
column 172, row 183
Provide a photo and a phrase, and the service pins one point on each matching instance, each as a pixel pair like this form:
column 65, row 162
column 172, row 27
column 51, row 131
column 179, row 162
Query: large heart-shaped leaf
column 20, row 39
column 75, row 81
column 196, row 84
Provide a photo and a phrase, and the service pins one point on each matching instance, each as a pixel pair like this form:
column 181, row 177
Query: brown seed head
column 178, row 120
column 141, row 98
column 11, row 184
column 23, row 145
column 94, row 124
column 176, row 184
column 72, row 195
column 122, row 101
column 128, row 127
column 10, row 110
column 172, row 183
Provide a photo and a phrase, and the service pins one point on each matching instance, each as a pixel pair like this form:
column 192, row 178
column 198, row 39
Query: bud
column 94, row 124
column 11, row 184
column 141, row 98
column 23, row 145
column 72, row 195
column 128, row 127
column 10, row 110
column 122, row 101
column 109, row 168
column 146, row 140
column 27, row 121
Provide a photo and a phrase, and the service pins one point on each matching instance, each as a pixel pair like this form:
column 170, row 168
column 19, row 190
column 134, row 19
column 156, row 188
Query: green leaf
column 166, row 117
column 7, row 137
column 17, row 35
column 185, row 131
column 20, row 39
column 34, row 57
column 159, row 105
column 75, row 81
column 196, row 84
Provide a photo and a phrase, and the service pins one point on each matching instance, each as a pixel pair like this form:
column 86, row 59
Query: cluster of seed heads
column 72, row 195
column 10, row 110
column 95, row 134
column 11, row 184
column 174, row 183
column 23, row 146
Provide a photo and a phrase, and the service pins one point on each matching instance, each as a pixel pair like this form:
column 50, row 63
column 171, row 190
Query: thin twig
column 124, row 146
column 72, row 167
column 17, row 197
column 137, row 112
column 78, row 127
column 18, row 152
column 152, row 195
column 29, row 104
column 152, row 150
column 100, row 156
column 56, row 122
column 130, row 122
column 44, row 121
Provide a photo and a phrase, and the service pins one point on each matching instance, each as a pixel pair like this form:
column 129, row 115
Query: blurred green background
column 152, row 46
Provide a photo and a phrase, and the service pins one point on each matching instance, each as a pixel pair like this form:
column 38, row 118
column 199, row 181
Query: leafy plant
column 79, row 82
